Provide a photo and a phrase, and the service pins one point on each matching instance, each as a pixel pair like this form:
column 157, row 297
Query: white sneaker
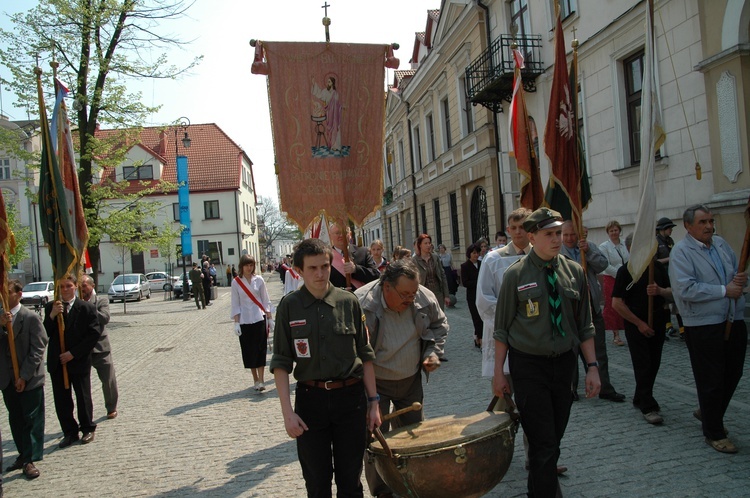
column 261, row 386
column 257, row 386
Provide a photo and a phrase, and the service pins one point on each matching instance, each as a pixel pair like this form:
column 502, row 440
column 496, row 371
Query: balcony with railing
column 489, row 78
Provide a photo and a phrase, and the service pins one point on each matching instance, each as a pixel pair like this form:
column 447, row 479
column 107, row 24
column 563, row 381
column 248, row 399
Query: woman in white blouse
column 617, row 255
column 250, row 308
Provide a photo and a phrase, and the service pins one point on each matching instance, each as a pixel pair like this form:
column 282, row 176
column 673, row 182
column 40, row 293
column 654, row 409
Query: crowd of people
column 539, row 299
column 80, row 317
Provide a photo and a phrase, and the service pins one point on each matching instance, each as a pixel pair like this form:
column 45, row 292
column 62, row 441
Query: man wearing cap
column 543, row 311
column 663, row 237
column 665, row 244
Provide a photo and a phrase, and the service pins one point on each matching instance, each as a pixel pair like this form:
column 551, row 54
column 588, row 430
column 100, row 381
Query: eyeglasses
column 404, row 297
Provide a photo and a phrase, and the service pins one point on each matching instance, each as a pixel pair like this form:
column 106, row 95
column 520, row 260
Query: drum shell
column 468, row 467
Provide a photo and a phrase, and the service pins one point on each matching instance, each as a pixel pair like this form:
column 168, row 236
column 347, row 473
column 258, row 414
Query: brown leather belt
column 331, row 384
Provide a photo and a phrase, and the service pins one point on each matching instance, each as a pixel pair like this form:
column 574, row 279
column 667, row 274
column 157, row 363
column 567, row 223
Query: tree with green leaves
column 166, row 241
column 101, row 46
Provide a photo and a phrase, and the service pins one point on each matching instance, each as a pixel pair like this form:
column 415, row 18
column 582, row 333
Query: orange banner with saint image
column 327, row 109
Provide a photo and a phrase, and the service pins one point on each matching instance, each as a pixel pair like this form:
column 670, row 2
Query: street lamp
column 183, row 195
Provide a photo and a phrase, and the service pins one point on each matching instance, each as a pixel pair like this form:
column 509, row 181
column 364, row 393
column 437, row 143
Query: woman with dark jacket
column 431, row 273
column 469, row 278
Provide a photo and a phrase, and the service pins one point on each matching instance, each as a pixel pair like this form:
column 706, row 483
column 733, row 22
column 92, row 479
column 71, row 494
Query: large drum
column 452, row 456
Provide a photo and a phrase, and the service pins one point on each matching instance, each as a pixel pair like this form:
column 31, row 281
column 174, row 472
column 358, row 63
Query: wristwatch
column 593, row 364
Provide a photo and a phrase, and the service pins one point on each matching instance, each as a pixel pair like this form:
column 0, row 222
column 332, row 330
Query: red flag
column 522, row 143
column 560, row 142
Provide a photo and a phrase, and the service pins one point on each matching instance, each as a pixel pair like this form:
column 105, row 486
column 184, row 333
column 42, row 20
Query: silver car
column 131, row 286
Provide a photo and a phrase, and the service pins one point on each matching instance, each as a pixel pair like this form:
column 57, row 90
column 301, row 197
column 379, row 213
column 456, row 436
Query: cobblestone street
column 189, row 423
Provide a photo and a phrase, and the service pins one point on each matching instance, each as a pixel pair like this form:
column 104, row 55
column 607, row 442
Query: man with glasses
column 407, row 331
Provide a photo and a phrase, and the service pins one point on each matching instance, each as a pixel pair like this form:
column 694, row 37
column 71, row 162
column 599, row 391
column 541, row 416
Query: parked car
column 161, row 280
column 178, row 288
column 37, row 294
column 129, row 286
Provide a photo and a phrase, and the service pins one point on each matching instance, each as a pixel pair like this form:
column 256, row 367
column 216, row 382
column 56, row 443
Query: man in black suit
column 360, row 264
column 24, row 398
column 81, row 335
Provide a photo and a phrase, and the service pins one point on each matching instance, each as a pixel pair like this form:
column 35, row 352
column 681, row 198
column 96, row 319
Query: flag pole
column 743, row 263
column 45, row 126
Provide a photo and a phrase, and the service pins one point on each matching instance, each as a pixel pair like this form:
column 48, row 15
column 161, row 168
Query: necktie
column 66, row 306
column 555, row 305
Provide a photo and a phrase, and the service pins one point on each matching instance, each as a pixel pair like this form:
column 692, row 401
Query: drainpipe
column 237, row 218
column 413, row 177
column 498, row 152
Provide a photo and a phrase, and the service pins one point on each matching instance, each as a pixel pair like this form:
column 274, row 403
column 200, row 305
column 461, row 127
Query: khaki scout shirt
column 326, row 337
column 522, row 318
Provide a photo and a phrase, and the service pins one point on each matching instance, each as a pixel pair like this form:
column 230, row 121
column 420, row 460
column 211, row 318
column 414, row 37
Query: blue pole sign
column 183, row 195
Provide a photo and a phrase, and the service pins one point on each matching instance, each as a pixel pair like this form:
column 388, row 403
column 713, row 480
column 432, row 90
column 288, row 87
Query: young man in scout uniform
column 543, row 311
column 321, row 329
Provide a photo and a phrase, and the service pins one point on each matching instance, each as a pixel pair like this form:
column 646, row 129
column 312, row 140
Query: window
column 438, row 228
column 4, row 169
column 519, row 15
column 633, row 67
column 418, row 149
column 467, row 113
column 401, row 159
column 144, row 172
column 423, row 212
column 567, row 7
column 430, row 138
column 455, row 240
column 211, row 210
column 176, row 211
column 447, row 142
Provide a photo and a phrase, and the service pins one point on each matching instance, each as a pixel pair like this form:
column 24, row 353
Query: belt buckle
column 325, row 385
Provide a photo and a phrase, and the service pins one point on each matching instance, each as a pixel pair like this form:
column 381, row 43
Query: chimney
column 162, row 143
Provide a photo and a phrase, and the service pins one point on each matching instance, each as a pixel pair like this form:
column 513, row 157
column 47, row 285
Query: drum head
column 442, row 432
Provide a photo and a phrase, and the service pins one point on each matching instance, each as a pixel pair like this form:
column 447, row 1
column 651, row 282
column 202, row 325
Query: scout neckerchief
column 250, row 294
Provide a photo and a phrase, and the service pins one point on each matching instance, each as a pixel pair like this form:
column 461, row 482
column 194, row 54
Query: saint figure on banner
column 327, row 114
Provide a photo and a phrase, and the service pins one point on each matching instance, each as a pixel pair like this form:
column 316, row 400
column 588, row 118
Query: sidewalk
column 189, row 423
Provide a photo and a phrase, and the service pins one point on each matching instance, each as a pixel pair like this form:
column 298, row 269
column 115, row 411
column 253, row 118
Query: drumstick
column 414, row 407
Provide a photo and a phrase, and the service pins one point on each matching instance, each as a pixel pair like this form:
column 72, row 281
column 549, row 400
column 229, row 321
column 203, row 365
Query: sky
column 222, row 90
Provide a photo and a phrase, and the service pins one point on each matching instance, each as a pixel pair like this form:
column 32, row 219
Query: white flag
column 652, row 137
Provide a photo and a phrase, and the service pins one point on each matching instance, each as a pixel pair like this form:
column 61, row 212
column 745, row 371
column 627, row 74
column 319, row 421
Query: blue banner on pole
column 183, row 196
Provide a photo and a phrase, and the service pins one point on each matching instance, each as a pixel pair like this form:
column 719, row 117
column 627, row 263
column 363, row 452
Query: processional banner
column 327, row 108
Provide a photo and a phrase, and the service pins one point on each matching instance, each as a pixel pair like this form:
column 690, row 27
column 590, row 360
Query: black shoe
column 575, row 396
column 18, row 464
column 68, row 440
column 613, row 396
column 443, row 359
column 87, row 437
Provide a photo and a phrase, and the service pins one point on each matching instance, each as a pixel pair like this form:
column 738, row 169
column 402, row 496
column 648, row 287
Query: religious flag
column 62, row 139
column 522, row 143
column 61, row 214
column 652, row 137
column 327, row 110
column 560, row 139
column 318, row 229
column 556, row 198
